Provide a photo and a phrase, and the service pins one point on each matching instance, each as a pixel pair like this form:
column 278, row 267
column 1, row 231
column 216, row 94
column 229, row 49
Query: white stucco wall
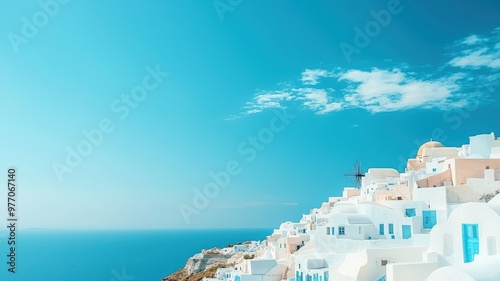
column 446, row 239
column 481, row 145
column 410, row 271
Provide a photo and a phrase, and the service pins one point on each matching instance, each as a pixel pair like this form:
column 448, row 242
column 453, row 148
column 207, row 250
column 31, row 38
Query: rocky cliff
column 200, row 262
column 203, row 265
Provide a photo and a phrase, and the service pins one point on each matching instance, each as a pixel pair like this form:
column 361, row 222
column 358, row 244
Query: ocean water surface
column 49, row 255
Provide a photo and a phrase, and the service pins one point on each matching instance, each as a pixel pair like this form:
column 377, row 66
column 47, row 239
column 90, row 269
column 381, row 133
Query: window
column 434, row 170
column 383, row 262
column 410, row 212
column 381, row 229
column 327, row 231
column 406, row 231
column 391, row 228
column 400, row 198
column 333, row 231
column 341, row 230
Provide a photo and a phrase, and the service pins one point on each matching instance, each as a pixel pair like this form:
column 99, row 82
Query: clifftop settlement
column 438, row 220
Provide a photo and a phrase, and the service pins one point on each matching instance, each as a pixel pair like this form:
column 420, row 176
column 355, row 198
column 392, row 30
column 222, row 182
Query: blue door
column 429, row 218
column 406, row 231
column 470, row 239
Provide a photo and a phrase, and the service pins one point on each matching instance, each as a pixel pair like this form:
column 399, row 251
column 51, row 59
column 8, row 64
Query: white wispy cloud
column 472, row 40
column 380, row 90
column 479, row 51
column 317, row 100
column 311, row 76
column 475, row 61
column 479, row 58
column 376, row 90
column 267, row 100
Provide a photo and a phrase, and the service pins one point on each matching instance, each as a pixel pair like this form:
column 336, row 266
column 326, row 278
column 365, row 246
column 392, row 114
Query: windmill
column 357, row 173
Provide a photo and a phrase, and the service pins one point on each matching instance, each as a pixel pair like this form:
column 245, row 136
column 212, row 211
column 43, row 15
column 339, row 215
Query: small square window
column 383, row 262
column 410, row 212
column 341, row 230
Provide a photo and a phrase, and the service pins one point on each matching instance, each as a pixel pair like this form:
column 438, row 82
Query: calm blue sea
column 44, row 255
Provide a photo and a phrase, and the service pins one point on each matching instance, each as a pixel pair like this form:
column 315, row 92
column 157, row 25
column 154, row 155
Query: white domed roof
column 429, row 144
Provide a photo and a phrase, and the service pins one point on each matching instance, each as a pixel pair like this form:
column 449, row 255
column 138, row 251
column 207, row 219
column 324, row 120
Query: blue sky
column 179, row 91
